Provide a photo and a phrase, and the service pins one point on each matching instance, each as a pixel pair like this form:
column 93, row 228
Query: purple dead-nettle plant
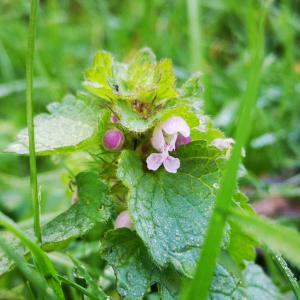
column 152, row 223
column 164, row 140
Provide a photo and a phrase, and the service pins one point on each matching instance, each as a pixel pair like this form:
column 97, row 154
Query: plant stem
column 77, row 287
column 194, row 33
column 30, row 123
column 199, row 287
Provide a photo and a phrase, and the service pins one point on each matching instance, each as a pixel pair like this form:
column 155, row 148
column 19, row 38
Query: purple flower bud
column 113, row 140
column 114, row 119
column 182, row 140
column 123, row 220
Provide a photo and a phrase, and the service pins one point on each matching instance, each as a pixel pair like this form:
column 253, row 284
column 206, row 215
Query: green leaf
column 256, row 285
column 132, row 264
column 141, row 79
column 98, row 76
column 171, row 211
column 92, row 208
column 192, row 89
column 278, row 238
column 69, row 126
column 135, row 273
column 241, row 247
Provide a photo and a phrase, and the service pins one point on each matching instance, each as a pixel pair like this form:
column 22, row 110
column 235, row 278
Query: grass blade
column 42, row 261
column 29, row 115
column 199, row 287
column 37, row 282
column 288, row 274
column 280, row 239
column 195, row 33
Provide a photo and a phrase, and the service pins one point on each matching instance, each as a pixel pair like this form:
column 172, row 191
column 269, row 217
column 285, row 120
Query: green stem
column 77, row 287
column 199, row 287
column 30, row 123
column 194, row 33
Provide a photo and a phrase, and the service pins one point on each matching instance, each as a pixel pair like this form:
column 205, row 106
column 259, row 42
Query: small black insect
column 116, row 87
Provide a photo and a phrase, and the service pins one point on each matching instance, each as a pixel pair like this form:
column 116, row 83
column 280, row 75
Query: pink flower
column 123, row 220
column 155, row 160
column 114, row 119
column 182, row 140
column 222, row 144
column 164, row 137
column 164, row 140
column 113, row 140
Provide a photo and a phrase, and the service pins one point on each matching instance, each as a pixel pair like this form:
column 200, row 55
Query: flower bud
column 113, row 140
column 114, row 119
column 123, row 220
column 182, row 140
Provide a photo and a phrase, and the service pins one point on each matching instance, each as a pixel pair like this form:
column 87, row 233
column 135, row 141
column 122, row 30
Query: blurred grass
column 70, row 31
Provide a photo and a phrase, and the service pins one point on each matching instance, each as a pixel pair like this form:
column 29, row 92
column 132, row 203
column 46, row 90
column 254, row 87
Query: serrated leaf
column 93, row 207
column 132, row 265
column 69, row 126
column 171, row 211
column 135, row 273
column 192, row 89
column 141, row 79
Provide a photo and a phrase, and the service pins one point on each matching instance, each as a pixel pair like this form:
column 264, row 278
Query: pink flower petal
column 157, row 140
column 222, row 144
column 171, row 164
column 182, row 140
column 123, row 220
column 155, row 160
column 176, row 124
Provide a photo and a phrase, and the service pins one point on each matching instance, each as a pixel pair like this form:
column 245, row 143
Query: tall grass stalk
column 36, row 281
column 193, row 7
column 200, row 285
column 29, row 115
column 41, row 260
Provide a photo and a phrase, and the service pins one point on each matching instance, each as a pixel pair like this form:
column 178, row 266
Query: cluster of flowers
column 166, row 137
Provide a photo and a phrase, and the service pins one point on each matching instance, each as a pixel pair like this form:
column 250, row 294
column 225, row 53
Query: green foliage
column 136, row 272
column 142, row 79
column 91, row 209
column 279, row 238
column 41, row 260
column 141, row 93
column 170, row 212
column 70, row 125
